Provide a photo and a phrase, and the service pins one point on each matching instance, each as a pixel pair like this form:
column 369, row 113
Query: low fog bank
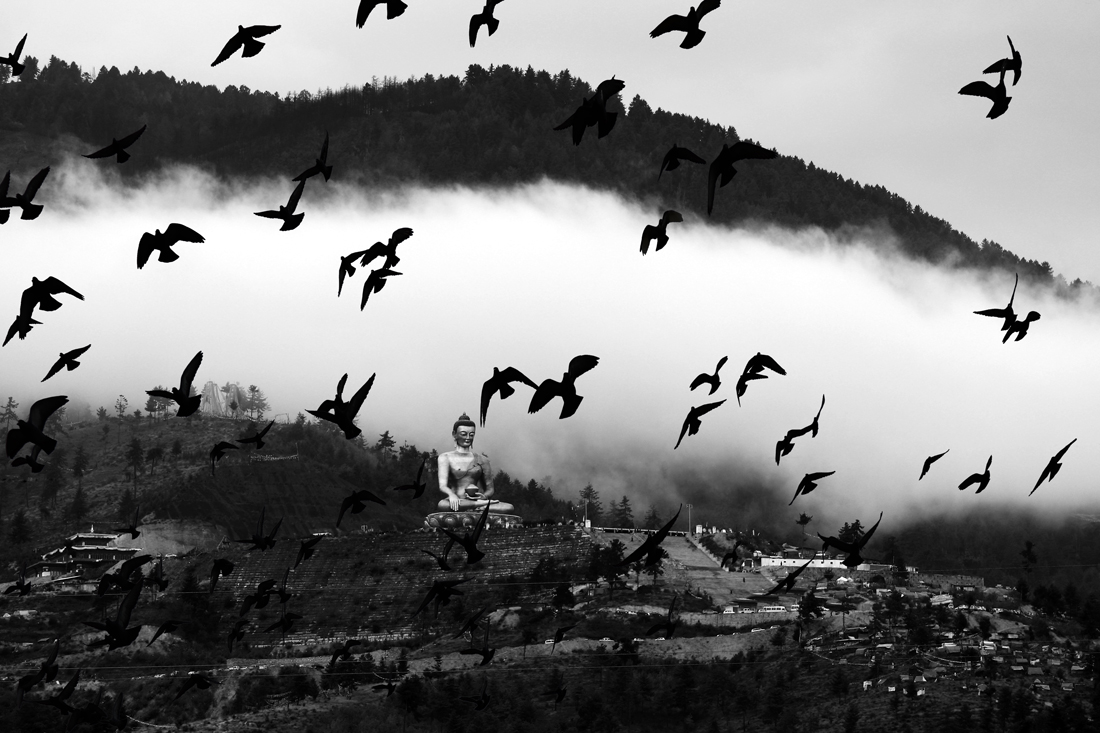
column 532, row 276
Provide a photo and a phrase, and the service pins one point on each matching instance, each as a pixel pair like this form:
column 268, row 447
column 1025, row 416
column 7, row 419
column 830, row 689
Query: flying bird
column 441, row 560
column 470, row 538
column 162, row 242
column 356, row 504
column 222, row 567
column 1014, row 64
column 58, row 701
column 22, row 325
column 417, row 486
column 123, row 578
column 754, row 368
column 41, row 294
column 306, row 550
column 996, row 94
column 290, row 219
column 218, row 452
column 376, row 280
column 1052, row 467
column 30, row 430
column 347, row 268
column 981, row 479
column 501, row 382
column 258, row 438
column 669, row 625
column 593, row 112
column 472, row 624
column 787, row 584
column 259, row 540
column 181, row 395
column 730, row 557
column 66, row 360
column 689, row 25
column 652, row 544
column 722, row 165
column 387, row 250
column 119, row 633
column 813, row 426
column 1019, row 328
column 559, row 635
column 480, row 702
column 46, row 672
column 394, row 8
column 711, row 380
column 165, row 628
column 25, row 200
column 692, row 423
column 158, row 578
column 341, row 413
column 852, row 548
column 809, row 483
column 260, row 598
column 486, row 652
column 440, row 592
column 12, row 59
column 320, row 165
column 284, row 624
column 236, row 633
column 342, row 653
column 674, row 157
column 566, row 388
column 1006, row 313
column 659, row 231
column 245, row 38
column 21, row 586
column 133, row 530
column 484, row 18
column 117, row 148
column 197, row 680
column 785, row 446
column 929, row 461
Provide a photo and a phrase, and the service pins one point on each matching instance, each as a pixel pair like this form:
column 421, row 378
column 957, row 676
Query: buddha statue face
column 464, row 436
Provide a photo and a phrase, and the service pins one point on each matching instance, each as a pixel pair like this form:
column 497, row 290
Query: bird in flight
column 387, row 250
column 117, row 148
column 809, row 483
column 1014, row 64
column 394, row 8
column 40, row 295
column 996, row 94
column 1019, row 327
column 669, row 625
column 852, row 548
column 754, row 368
column 290, row 219
column 785, row 446
column 220, row 569
column 692, row 423
column 118, row 632
column 675, row 156
column 259, row 540
column 347, row 268
column 25, row 200
column 486, row 652
column 181, row 395
column 441, row 592
column 356, row 504
column 722, row 165
column 320, row 165
column 689, row 24
column 929, row 461
column 306, row 550
column 659, row 231
column 343, row 413
column 484, row 18
column 196, row 680
column 1006, row 313
column 163, row 242
column 441, row 560
column 593, row 111
column 218, row 452
column 417, row 486
column 258, row 438
column 501, row 382
column 712, row 380
column 1052, row 467
column 376, row 280
column 470, row 538
column 12, row 59
column 566, row 388
column 245, row 38
column 787, row 584
column 66, row 360
column 813, row 426
column 30, row 430
column 981, row 479
column 650, row 548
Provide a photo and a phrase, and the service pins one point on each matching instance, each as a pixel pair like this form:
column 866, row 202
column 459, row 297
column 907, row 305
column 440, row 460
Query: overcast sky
column 534, row 276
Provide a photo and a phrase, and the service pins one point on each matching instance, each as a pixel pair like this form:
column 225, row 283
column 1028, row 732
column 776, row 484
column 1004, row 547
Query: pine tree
column 120, row 407
column 135, row 457
column 127, row 505
column 590, row 499
column 626, row 514
column 9, row 415
column 79, row 508
column 101, row 413
column 20, row 528
column 153, row 456
column 652, row 520
column 80, row 464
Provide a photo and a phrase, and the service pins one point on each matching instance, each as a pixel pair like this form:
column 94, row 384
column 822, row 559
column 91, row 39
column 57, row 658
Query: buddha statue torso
column 465, row 477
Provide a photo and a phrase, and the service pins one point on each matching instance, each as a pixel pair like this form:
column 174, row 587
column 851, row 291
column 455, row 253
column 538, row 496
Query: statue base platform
column 463, row 520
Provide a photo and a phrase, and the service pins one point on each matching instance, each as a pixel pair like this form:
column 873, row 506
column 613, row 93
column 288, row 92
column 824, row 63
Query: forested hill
column 494, row 126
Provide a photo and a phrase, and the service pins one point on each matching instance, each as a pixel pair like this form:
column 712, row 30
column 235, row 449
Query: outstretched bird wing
column 546, row 391
column 180, row 233
column 672, row 23
column 188, row 376
column 35, row 184
column 357, row 399
column 578, row 365
column 131, row 138
column 295, row 196
column 707, row 6
column 43, row 408
column 230, row 48
column 980, row 89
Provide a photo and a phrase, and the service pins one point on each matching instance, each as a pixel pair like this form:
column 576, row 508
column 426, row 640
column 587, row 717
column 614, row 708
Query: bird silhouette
column 245, row 38
column 981, row 479
column 30, row 430
column 929, row 461
column 754, row 368
column 222, row 567
column 468, row 541
column 689, row 24
column 12, row 59
column 692, row 422
column 1014, row 64
column 659, row 231
column 675, row 156
column 25, row 200
column 649, row 549
column 669, row 625
column 787, row 584
column 441, row 560
column 722, row 170
column 195, row 680
column 341, row 413
column 125, row 576
column 376, row 280
column 132, row 529
column 566, row 388
column 22, row 325
column 785, row 446
column 320, row 165
column 287, row 214
column 1053, row 466
column 284, row 623
column 480, row 702
column 809, row 483
column 46, row 672
column 41, row 294
column 485, row 652
column 852, row 548
column 165, row 628
column 1020, row 327
column 259, row 540
column 306, row 550
column 996, row 94
column 472, row 624
column 236, row 633
column 259, row 598
column 501, row 382
column 417, row 486
column 712, row 380
column 66, row 360
column 181, row 395
column 119, row 633
column 387, row 250
column 387, row 684
column 484, row 18
column 1006, row 313
column 347, row 268
column 218, row 452
column 162, row 242
column 117, row 148
column 258, row 438
column 356, row 504
column 593, row 112
column 58, row 701
column 559, row 634
column 730, row 557
column 342, row 653
column 394, row 8
column 440, row 592
column 812, row 428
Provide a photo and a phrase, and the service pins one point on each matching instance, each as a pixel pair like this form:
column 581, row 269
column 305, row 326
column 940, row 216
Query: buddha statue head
column 463, row 432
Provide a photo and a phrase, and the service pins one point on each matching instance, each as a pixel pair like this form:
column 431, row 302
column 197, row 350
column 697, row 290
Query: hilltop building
column 82, row 553
column 231, row 405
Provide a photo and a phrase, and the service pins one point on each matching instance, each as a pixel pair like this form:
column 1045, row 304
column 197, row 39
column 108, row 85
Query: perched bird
column 673, row 158
column 387, row 250
column 162, row 242
column 441, row 560
column 117, row 148
column 669, row 625
column 394, row 8
column 165, row 628
column 852, row 548
column 1052, row 467
column 320, row 165
column 753, row 370
column 218, row 452
column 376, row 280
column 1014, row 64
column 722, row 165
column 1006, row 313
column 787, row 584
column 659, row 231
column 996, row 94
column 711, row 380
column 181, row 395
column 343, row 413
column 245, row 38
column 30, row 430
column 417, row 486
column 649, row 549
column 689, row 24
column 809, row 483
column 195, row 679
column 501, row 382
column 222, row 567
column 440, row 592
column 12, row 59
column 1019, row 328
column 560, row 634
column 25, row 201
column 981, row 479
column 306, row 550
column 566, row 388
column 290, row 219
column 259, row 540
column 66, row 360
column 929, row 461
column 593, row 112
column 132, row 529
column 692, row 423
column 236, row 633
column 356, row 504
column 481, row 701
column 258, row 438
column 470, row 538
column 484, row 18
column 119, row 633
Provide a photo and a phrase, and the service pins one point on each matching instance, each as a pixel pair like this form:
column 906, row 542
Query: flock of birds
column 593, row 111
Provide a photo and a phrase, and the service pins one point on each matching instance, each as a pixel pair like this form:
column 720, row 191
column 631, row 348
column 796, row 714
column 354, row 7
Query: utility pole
column 690, row 533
